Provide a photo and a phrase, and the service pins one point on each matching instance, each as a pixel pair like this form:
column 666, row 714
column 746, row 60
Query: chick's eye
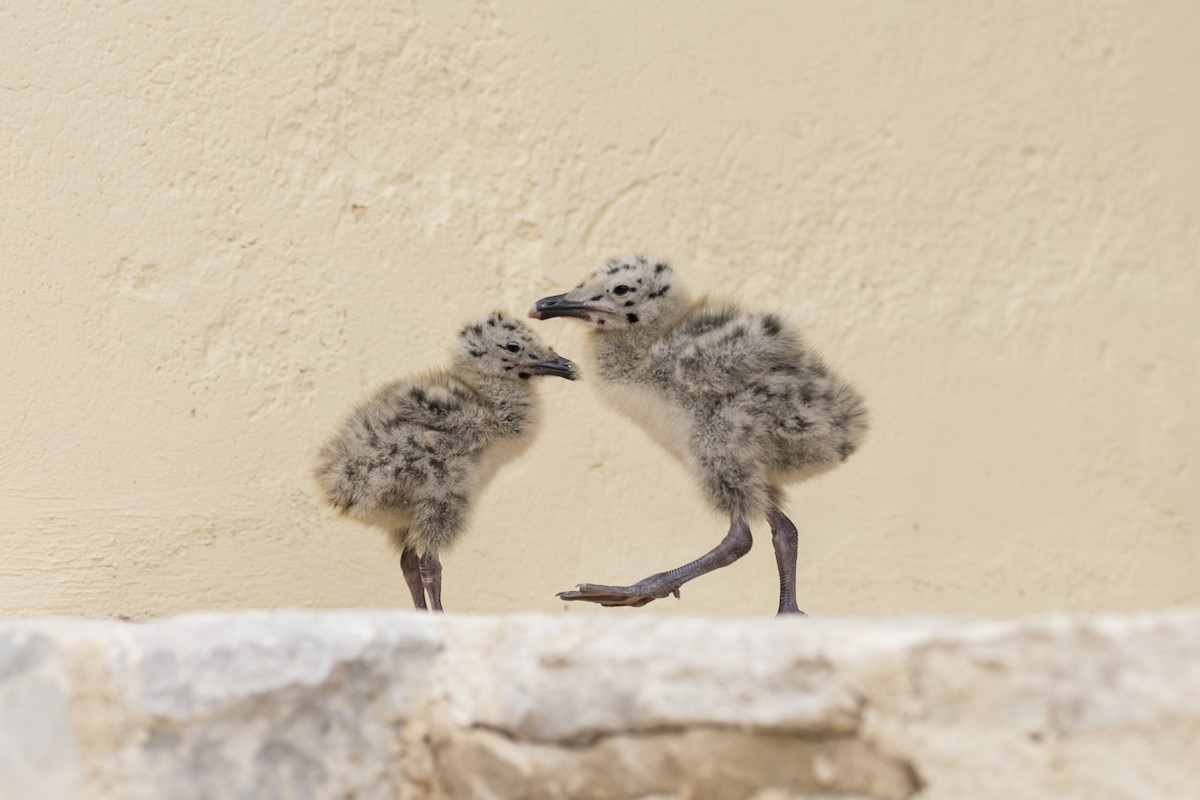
column 620, row 290
column 512, row 347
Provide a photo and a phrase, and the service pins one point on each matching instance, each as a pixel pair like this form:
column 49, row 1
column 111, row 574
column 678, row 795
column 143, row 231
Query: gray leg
column 784, row 538
column 735, row 545
column 431, row 578
column 410, row 564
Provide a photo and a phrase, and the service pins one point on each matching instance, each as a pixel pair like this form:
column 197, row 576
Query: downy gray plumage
column 412, row 458
column 734, row 394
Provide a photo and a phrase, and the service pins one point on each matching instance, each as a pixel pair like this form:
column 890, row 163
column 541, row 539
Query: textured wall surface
column 398, row 705
column 224, row 223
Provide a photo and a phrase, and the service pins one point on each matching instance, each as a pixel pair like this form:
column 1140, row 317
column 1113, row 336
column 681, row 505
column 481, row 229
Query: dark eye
column 512, row 347
column 620, row 290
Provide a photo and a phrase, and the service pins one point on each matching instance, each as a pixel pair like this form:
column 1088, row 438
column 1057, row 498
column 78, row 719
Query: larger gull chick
column 735, row 395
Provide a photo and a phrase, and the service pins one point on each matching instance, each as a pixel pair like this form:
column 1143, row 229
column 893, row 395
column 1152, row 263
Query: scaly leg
column 410, row 564
column 784, row 538
column 735, row 545
column 431, row 578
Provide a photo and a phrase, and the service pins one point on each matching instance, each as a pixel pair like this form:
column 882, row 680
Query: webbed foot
column 635, row 596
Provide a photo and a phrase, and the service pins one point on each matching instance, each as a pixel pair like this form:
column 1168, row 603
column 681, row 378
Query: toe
column 634, row 596
column 599, row 588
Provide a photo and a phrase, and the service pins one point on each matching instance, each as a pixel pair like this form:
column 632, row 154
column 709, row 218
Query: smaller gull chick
column 412, row 458
column 734, row 394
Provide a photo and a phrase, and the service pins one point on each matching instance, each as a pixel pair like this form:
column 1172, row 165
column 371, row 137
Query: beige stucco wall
column 223, row 223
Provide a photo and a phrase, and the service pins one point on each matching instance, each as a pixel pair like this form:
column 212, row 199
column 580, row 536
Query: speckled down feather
column 737, row 395
column 734, row 394
column 412, row 458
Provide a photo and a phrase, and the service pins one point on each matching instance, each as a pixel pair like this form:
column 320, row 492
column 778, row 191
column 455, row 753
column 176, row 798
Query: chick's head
column 624, row 293
column 502, row 346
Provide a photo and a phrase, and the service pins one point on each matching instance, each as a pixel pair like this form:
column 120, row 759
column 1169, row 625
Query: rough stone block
column 613, row 707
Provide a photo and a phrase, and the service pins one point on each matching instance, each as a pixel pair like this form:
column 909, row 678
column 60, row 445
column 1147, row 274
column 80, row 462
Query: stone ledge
column 391, row 704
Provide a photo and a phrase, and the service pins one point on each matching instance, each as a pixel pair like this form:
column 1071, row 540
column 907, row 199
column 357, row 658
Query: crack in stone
column 716, row 758
column 591, row 738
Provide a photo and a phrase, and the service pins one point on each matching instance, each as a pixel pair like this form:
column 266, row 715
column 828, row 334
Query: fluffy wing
column 720, row 350
column 448, row 414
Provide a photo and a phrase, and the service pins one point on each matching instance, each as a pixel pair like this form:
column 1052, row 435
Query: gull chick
column 412, row 459
column 735, row 395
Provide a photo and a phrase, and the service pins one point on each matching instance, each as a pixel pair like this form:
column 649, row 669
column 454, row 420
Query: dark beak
column 559, row 367
column 558, row 306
